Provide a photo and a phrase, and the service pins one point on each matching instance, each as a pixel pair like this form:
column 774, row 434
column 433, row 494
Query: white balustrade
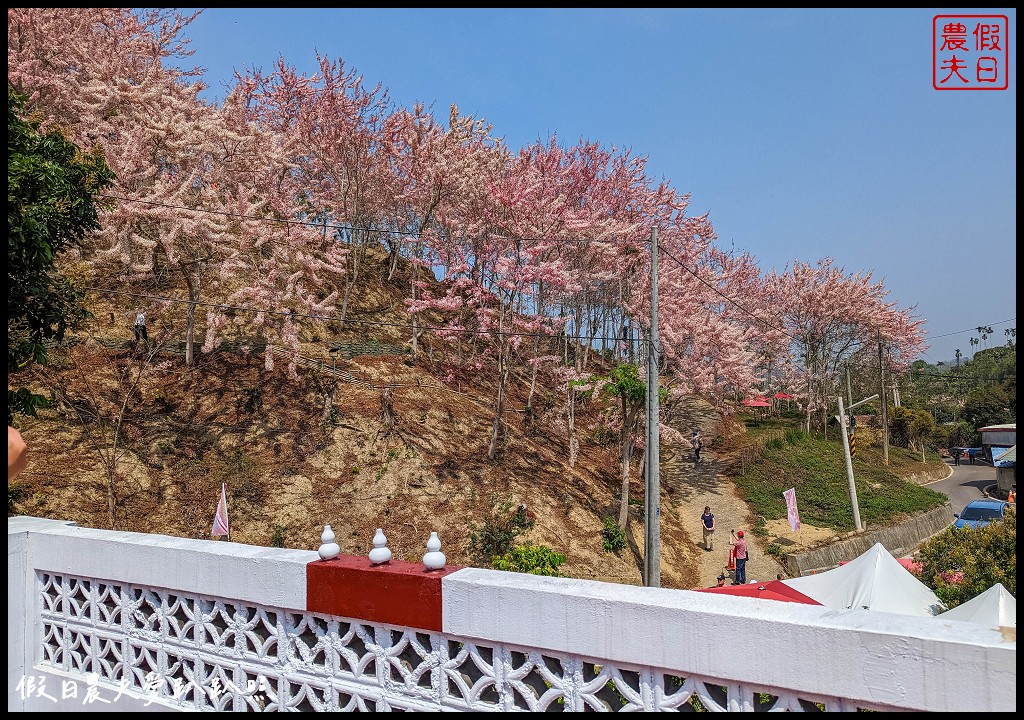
column 434, row 559
column 200, row 625
column 381, row 553
column 328, row 548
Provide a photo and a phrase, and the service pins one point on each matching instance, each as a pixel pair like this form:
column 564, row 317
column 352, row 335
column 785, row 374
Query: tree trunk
column 498, row 424
column 412, row 316
column 190, row 325
column 627, row 459
column 574, row 445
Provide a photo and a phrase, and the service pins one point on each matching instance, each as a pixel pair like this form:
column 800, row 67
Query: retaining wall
column 900, row 540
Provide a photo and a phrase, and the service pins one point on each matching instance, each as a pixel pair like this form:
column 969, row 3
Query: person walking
column 707, row 522
column 140, row 327
column 740, row 547
column 955, row 452
column 698, row 445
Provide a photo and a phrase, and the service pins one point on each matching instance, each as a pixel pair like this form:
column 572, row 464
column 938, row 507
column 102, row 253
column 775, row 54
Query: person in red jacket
column 740, row 546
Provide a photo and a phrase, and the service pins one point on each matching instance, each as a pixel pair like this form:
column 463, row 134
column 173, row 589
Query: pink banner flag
column 220, row 519
column 791, row 511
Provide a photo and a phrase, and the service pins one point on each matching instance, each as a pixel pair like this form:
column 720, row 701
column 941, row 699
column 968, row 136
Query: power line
column 959, row 332
column 731, row 300
column 377, row 323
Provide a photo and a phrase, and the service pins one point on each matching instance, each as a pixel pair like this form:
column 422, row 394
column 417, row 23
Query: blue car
column 980, row 513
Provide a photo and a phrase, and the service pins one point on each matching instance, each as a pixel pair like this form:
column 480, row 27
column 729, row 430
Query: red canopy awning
column 783, row 396
column 774, row 590
column 757, row 402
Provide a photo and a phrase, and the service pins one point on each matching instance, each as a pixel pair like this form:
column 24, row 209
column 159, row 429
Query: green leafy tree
column 909, row 427
column 989, row 406
column 625, row 384
column 961, row 563
column 51, row 205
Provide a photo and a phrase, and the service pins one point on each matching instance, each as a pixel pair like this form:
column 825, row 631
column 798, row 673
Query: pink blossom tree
column 830, row 315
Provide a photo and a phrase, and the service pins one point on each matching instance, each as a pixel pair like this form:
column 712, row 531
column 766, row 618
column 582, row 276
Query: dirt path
column 691, row 487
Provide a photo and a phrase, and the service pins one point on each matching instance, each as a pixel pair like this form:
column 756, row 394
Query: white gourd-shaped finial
column 380, row 553
column 434, row 559
column 328, row 548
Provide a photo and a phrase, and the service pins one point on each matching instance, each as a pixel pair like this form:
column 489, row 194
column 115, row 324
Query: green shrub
column 603, row 435
column 985, row 555
column 498, row 532
column 613, row 536
column 277, row 538
column 15, row 494
column 532, row 559
column 774, row 549
column 795, row 436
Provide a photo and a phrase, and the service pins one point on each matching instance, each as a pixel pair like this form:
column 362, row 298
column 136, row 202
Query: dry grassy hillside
column 410, row 464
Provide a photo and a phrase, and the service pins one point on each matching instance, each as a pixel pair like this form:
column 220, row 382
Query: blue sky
column 805, row 133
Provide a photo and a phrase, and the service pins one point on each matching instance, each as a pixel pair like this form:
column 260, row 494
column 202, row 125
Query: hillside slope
column 230, row 420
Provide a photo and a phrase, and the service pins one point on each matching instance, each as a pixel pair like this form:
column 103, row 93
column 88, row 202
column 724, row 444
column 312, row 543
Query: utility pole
column 849, row 460
column 885, row 403
column 652, row 485
column 849, row 392
column 849, row 466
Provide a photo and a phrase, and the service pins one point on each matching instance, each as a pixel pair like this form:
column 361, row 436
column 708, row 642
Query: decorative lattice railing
column 97, row 618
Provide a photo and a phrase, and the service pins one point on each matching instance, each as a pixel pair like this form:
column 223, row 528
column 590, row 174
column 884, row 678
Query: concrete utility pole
column 849, row 465
column 849, row 459
column 652, row 484
column 885, row 404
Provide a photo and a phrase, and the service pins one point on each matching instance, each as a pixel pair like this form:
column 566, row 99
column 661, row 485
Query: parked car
column 980, row 513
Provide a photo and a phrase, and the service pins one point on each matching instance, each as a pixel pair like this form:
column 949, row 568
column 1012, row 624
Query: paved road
column 965, row 483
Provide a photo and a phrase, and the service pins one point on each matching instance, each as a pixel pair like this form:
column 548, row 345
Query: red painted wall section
column 394, row 593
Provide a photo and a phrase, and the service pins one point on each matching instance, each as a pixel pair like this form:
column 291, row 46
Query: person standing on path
column 140, row 327
column 955, row 452
column 740, row 545
column 707, row 522
column 697, row 444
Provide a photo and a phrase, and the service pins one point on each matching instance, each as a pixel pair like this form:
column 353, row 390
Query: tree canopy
column 51, row 205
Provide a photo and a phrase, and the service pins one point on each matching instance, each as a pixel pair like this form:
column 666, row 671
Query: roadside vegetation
column 961, row 563
column 816, row 467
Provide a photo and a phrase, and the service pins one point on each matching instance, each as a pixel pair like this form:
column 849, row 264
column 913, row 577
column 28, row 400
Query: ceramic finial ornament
column 380, row 553
column 434, row 559
column 328, row 548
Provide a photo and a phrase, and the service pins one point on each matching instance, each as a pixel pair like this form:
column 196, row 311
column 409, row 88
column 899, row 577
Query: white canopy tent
column 873, row 581
column 995, row 607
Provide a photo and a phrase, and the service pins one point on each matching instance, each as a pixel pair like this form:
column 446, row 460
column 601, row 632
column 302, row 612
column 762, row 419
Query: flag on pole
column 220, row 519
column 791, row 511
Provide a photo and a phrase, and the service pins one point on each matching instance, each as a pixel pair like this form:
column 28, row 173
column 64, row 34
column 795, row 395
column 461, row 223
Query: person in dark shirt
column 707, row 522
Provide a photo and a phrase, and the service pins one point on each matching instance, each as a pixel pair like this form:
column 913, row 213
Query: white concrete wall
column 878, row 658
column 262, row 575
column 271, row 577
